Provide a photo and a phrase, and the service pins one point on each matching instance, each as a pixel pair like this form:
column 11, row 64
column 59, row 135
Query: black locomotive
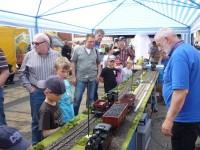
column 101, row 137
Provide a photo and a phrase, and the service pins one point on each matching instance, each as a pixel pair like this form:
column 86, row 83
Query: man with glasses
column 37, row 66
column 85, row 71
column 180, row 90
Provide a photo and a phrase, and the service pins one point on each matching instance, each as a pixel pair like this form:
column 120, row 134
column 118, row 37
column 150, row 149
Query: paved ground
column 159, row 141
column 18, row 115
column 17, row 108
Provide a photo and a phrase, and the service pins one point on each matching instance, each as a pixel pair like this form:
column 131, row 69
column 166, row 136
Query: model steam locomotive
column 101, row 137
column 113, row 111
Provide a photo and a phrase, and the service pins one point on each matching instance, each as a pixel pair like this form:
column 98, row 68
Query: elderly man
column 180, row 90
column 38, row 64
column 85, row 71
column 4, row 73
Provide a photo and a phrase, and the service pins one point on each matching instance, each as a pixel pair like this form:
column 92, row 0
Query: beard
column 167, row 48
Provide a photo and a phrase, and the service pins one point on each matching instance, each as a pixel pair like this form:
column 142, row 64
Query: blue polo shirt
column 183, row 72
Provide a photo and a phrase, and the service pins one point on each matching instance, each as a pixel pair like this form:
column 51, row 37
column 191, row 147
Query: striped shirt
column 3, row 61
column 124, row 54
column 36, row 67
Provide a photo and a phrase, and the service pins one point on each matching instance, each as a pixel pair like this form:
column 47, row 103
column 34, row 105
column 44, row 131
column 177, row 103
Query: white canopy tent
column 114, row 16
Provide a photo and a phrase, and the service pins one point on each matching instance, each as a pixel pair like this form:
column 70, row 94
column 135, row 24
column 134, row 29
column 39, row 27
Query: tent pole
column 108, row 14
column 159, row 12
column 197, row 4
column 36, row 25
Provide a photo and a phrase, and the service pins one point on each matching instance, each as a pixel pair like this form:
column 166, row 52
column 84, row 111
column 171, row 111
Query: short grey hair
column 42, row 36
column 99, row 31
column 164, row 32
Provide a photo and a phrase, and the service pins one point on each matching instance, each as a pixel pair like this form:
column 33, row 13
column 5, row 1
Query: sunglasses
column 38, row 43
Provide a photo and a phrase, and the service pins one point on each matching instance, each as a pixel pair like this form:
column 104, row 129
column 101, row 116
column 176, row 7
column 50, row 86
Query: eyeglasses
column 38, row 43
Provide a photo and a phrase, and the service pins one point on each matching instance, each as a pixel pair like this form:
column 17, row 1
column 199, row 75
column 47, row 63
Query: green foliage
column 38, row 147
column 82, row 141
column 78, row 147
column 63, row 130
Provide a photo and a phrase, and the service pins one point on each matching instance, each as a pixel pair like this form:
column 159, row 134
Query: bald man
column 38, row 65
column 181, row 90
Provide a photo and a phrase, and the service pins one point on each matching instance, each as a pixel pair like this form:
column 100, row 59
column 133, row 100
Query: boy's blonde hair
column 63, row 63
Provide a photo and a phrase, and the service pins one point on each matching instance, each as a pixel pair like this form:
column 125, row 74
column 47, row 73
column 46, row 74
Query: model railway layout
column 121, row 102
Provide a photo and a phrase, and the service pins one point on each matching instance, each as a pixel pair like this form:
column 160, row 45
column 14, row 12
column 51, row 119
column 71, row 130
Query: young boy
column 109, row 74
column 127, row 71
column 50, row 118
column 62, row 67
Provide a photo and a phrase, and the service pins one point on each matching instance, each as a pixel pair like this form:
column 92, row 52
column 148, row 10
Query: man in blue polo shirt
column 181, row 90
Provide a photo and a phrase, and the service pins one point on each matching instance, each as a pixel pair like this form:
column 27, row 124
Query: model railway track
column 67, row 141
column 129, row 84
column 150, row 77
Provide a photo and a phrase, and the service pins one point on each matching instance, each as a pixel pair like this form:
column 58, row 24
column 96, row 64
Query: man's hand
column 178, row 99
column 3, row 76
column 32, row 89
column 98, row 77
column 167, row 127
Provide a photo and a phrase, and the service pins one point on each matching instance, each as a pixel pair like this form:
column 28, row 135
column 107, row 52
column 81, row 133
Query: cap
column 53, row 83
column 111, row 57
column 11, row 139
column 121, row 38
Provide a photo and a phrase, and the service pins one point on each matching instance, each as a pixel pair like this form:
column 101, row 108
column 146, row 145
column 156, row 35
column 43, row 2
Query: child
column 105, row 58
column 109, row 74
column 118, row 67
column 50, row 118
column 127, row 71
column 62, row 67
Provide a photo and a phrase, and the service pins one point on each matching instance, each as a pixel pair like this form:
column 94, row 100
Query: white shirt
column 126, row 73
column 104, row 61
column 88, row 50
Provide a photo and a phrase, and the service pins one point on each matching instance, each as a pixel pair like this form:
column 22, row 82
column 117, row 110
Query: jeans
column 184, row 136
column 96, row 91
column 79, row 90
column 36, row 100
column 2, row 114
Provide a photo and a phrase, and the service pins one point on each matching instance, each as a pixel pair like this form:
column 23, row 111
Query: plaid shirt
column 124, row 54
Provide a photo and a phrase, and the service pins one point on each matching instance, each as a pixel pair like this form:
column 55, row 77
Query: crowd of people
column 45, row 72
